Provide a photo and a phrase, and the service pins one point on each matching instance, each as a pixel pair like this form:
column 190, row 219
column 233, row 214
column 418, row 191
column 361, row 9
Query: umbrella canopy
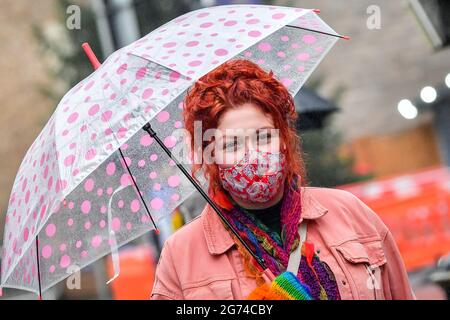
column 93, row 179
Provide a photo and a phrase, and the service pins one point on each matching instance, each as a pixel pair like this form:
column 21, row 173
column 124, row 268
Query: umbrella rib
column 148, row 128
column 38, row 268
column 317, row 31
column 138, row 190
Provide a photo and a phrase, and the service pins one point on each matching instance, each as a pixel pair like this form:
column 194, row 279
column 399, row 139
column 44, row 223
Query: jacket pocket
column 362, row 262
column 210, row 290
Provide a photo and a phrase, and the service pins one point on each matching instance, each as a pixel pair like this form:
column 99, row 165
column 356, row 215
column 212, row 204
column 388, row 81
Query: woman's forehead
column 246, row 116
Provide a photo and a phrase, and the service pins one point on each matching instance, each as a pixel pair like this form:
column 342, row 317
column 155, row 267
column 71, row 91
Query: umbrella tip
column 91, row 55
column 1, row 292
column 157, row 232
column 346, row 37
column 39, row 297
column 316, row 11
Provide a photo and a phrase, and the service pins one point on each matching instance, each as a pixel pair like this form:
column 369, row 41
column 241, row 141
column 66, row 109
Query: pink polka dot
column 94, row 109
column 125, row 179
column 192, row 43
column 89, row 185
column 84, row 254
column 175, row 197
column 86, row 206
column 110, row 168
column 87, row 225
column 286, row 82
column 96, row 241
column 309, row 39
column 252, row 21
column 102, row 224
column 65, row 261
column 72, row 118
column 156, row 203
column 146, row 140
column 284, row 38
column 128, row 225
column 52, row 268
column 163, row 116
column 152, row 175
column 62, row 247
column 69, row 160
column 78, row 244
column 121, row 203
column 50, row 230
column 277, row 16
column 174, row 76
column 303, row 56
column 141, row 73
column 141, row 163
column 135, row 205
column 115, row 224
column 170, row 141
column 281, row 54
column 46, row 251
column 173, row 181
column 106, row 116
column 264, row 46
column 169, row 44
column 194, row 63
column 221, row 52
column 154, row 157
column 147, row 93
column 206, row 25
column 254, row 33
column 90, row 154
column 230, row 23
column 122, row 68
column 26, row 233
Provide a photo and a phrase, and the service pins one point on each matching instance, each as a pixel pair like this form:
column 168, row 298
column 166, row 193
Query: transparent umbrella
column 104, row 170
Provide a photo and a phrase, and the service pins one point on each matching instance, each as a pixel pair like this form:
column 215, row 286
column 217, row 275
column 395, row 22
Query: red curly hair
column 230, row 85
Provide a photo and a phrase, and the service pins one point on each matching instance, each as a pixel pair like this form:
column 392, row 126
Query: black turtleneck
column 270, row 216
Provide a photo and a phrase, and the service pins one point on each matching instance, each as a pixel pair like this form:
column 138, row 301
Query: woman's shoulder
column 345, row 209
column 189, row 232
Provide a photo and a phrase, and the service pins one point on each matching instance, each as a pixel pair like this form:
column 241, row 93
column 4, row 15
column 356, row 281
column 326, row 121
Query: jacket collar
column 219, row 240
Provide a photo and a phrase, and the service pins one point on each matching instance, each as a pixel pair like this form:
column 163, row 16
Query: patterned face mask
column 257, row 177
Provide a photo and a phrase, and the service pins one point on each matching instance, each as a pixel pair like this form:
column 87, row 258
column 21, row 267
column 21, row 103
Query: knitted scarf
column 275, row 250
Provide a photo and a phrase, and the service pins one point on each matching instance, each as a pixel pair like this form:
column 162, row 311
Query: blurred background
column 374, row 118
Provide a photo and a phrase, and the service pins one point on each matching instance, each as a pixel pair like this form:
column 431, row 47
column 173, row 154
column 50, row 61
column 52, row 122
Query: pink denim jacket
column 201, row 261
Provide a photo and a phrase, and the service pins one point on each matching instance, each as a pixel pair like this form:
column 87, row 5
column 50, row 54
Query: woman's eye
column 263, row 138
column 232, row 146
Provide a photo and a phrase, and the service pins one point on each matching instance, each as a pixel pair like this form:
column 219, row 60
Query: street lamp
column 428, row 94
column 407, row 109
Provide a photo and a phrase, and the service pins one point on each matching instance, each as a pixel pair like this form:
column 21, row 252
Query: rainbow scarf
column 314, row 280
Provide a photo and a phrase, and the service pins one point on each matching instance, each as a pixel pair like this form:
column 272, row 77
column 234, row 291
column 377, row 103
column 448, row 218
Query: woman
column 257, row 180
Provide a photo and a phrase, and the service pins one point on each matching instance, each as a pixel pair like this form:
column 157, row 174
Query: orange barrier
column 416, row 208
column 137, row 273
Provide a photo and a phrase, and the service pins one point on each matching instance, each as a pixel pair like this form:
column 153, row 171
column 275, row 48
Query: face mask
column 257, row 177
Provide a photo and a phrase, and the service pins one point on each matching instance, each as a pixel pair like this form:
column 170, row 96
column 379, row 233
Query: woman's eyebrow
column 266, row 127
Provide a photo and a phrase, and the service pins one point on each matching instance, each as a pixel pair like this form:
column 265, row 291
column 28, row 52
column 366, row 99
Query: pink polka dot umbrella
column 106, row 167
